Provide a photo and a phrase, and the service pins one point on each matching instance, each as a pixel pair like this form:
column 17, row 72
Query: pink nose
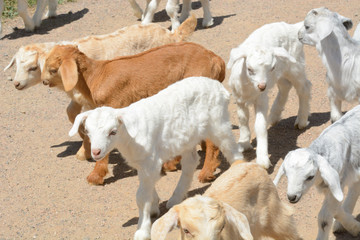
column 262, row 86
column 96, row 152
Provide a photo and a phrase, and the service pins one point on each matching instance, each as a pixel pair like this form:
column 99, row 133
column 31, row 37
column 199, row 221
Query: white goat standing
column 161, row 127
column 339, row 53
column 31, row 23
column 242, row 197
column 172, row 8
column 331, row 162
column 270, row 55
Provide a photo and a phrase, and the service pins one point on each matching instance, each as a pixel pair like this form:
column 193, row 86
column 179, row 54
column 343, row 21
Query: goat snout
column 262, row 86
column 96, row 152
column 45, row 82
column 293, row 198
column 17, row 85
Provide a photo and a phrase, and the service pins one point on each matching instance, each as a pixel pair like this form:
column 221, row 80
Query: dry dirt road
column 44, row 193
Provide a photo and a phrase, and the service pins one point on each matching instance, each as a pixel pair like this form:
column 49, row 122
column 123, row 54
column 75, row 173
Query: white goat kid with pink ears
column 271, row 55
column 161, row 127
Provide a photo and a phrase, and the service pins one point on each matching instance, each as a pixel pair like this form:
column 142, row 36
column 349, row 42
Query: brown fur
column 124, row 80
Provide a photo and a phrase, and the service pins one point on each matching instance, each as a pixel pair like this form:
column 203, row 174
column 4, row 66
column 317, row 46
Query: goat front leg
column 136, row 8
column 96, row 177
column 245, row 134
column 52, row 9
column 144, row 199
column 185, row 10
column 261, row 108
column 208, row 21
column 150, row 11
column 284, row 87
column 172, row 8
column 189, row 161
column 348, row 205
column 40, row 8
column 303, row 90
column 335, row 106
column 84, row 153
column 72, row 110
column 22, row 10
column 210, row 164
column 325, row 218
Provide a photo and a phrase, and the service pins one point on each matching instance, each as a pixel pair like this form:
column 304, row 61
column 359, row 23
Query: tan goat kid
column 119, row 82
column 244, row 196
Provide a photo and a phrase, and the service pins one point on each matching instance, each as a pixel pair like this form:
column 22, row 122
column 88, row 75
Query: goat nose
column 262, row 86
column 96, row 152
column 292, row 198
column 45, row 82
column 16, row 84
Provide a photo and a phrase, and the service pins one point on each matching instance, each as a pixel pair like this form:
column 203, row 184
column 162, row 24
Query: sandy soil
column 44, row 193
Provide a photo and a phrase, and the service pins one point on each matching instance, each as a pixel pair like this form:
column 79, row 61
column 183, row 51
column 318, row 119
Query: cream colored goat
column 245, row 189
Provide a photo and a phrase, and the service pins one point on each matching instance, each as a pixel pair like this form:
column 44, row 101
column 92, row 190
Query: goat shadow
column 346, row 235
column 162, row 16
column 48, row 24
column 282, row 137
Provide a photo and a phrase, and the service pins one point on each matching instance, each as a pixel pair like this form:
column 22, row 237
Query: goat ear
column 69, row 74
column 279, row 174
column 235, row 54
column 11, row 63
column 238, row 221
column 282, row 53
column 324, row 28
column 347, row 22
column 164, row 225
column 80, row 118
column 330, row 177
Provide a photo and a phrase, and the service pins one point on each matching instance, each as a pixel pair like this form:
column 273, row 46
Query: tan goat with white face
column 242, row 203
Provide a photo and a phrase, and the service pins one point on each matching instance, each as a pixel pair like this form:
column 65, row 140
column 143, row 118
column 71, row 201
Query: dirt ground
column 44, row 193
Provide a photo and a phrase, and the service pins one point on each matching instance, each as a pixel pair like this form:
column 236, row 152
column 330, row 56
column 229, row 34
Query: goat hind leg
column 303, row 90
column 211, row 162
column 335, row 106
column 22, row 10
column 136, row 9
column 40, row 8
column 52, row 9
column 208, row 21
column 284, row 87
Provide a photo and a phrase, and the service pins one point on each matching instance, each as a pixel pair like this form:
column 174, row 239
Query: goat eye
column 251, row 72
column 113, row 132
column 309, row 178
column 53, row 71
column 187, row 232
column 33, row 69
column 307, row 27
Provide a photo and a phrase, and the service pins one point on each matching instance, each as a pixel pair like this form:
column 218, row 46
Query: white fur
column 331, row 162
column 270, row 55
column 241, row 204
column 161, row 127
column 339, row 53
column 31, row 23
column 172, row 8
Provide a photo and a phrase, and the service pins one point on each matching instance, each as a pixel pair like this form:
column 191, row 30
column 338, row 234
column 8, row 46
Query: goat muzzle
column 45, row 82
column 262, row 87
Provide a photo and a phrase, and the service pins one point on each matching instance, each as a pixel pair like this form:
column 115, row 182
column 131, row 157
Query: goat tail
column 185, row 29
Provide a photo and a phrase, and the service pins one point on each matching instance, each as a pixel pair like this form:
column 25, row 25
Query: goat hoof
column 264, row 162
column 141, row 235
column 95, row 179
column 246, row 146
column 208, row 22
column 206, row 177
column 338, row 228
column 355, row 229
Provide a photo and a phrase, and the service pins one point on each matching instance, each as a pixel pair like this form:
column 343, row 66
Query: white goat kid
column 270, row 55
column 31, row 23
column 172, row 8
column 161, row 127
column 339, row 53
column 331, row 162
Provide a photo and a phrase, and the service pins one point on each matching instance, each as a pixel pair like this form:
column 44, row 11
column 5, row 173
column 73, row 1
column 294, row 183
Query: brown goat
column 119, row 82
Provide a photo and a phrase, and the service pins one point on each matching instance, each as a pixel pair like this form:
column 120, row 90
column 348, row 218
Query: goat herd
column 156, row 116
